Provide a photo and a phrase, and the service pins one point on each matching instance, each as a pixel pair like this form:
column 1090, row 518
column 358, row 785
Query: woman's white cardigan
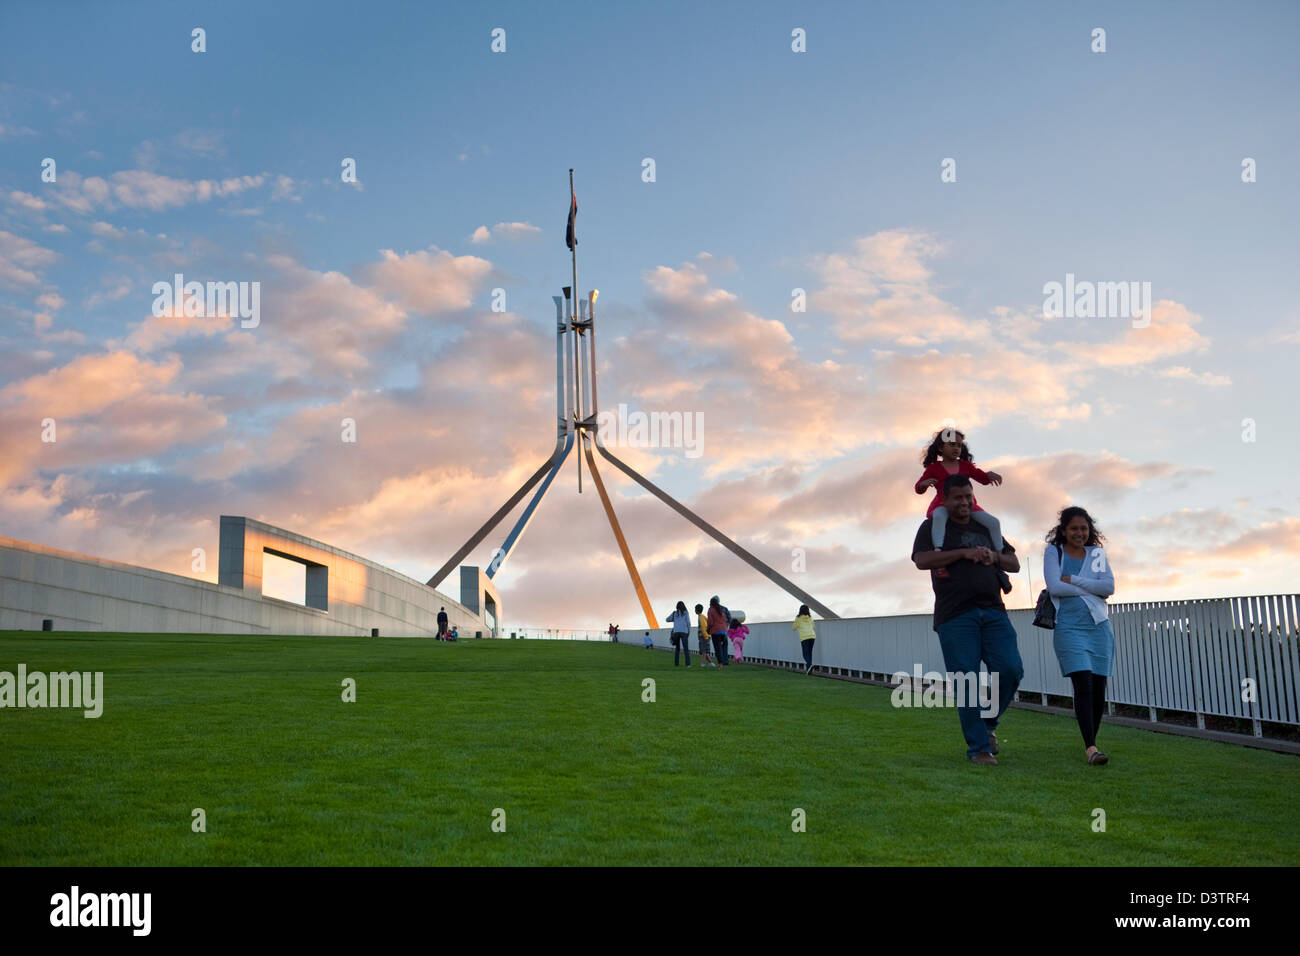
column 1094, row 582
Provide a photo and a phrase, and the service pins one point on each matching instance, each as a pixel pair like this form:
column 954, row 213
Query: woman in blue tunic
column 1079, row 578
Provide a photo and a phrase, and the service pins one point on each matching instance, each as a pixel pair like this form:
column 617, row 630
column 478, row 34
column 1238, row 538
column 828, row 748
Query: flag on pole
column 570, row 236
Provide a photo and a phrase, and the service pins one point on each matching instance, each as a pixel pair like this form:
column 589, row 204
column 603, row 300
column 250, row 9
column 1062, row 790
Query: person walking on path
column 717, row 621
column 737, row 634
column 681, row 622
column 969, row 616
column 803, row 627
column 1079, row 578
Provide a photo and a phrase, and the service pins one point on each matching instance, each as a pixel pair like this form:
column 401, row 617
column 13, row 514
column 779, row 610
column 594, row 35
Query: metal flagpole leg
column 492, row 522
column 775, row 577
column 522, row 524
column 622, row 542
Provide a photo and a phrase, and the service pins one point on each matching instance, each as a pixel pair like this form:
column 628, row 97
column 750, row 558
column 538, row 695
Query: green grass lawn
column 254, row 731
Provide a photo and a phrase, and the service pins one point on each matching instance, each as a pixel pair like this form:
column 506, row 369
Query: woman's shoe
column 1098, row 758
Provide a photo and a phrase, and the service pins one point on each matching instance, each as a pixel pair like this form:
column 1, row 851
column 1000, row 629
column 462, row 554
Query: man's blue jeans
column 982, row 634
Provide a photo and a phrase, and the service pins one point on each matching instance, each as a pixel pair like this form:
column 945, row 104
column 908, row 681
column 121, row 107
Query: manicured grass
column 254, row 731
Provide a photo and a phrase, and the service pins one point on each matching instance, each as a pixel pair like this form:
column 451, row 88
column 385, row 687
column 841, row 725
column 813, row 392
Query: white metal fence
column 1228, row 657
column 568, row 634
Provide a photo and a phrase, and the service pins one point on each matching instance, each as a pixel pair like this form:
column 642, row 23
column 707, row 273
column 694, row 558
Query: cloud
column 157, row 331
column 28, row 201
column 430, row 281
column 22, row 261
column 115, row 288
column 1208, row 379
column 1171, row 332
column 143, row 189
column 107, row 230
column 89, row 384
column 505, row 230
column 879, row 292
column 201, row 142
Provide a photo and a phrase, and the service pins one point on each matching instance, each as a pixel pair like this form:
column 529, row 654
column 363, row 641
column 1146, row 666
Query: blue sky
column 1115, row 166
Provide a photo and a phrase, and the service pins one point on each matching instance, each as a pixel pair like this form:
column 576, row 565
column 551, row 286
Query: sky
column 920, row 171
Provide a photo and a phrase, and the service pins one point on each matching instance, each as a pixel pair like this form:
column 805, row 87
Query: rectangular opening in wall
column 303, row 582
column 284, row 579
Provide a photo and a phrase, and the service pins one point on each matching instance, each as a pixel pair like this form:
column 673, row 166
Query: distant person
column 681, row 622
column 454, row 635
column 1079, row 578
column 803, row 627
column 649, row 642
column 737, row 634
column 948, row 454
column 705, row 645
column 442, row 623
column 718, row 619
column 612, row 635
column 969, row 616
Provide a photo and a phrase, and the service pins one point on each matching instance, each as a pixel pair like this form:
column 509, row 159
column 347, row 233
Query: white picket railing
column 566, row 634
column 1229, row 657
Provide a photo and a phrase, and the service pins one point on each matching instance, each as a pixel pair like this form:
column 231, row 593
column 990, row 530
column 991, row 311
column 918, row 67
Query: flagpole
column 577, row 366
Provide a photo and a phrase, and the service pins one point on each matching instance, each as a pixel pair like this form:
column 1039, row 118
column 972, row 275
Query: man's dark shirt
column 442, row 618
column 968, row 584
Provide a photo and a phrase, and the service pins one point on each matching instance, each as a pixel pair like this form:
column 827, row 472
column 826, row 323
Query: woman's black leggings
column 807, row 649
column 1089, row 703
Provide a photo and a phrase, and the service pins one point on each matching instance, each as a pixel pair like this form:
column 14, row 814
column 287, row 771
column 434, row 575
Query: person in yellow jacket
column 803, row 626
column 706, row 653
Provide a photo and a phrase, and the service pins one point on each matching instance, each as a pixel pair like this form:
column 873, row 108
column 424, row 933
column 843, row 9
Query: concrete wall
column 79, row 592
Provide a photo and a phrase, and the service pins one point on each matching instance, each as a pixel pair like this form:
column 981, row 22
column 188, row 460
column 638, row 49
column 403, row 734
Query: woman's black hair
column 681, row 605
column 1057, row 535
column 931, row 453
column 732, row 623
column 803, row 610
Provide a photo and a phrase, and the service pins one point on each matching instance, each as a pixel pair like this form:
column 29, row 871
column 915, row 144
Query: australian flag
column 570, row 235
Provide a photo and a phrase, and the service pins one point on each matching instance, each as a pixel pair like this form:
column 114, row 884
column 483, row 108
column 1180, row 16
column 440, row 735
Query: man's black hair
column 955, row 481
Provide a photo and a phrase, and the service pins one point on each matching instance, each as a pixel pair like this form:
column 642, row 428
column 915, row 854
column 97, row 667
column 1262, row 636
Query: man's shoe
column 984, row 759
column 993, row 742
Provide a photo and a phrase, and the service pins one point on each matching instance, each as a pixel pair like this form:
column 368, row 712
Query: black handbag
column 1045, row 610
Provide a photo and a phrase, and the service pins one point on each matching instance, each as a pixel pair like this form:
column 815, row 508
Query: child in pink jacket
column 737, row 633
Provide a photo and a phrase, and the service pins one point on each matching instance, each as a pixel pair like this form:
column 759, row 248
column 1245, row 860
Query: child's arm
column 929, row 479
column 983, row 477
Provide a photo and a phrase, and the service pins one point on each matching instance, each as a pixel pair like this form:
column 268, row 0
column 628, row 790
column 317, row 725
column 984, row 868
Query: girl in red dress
column 948, row 454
